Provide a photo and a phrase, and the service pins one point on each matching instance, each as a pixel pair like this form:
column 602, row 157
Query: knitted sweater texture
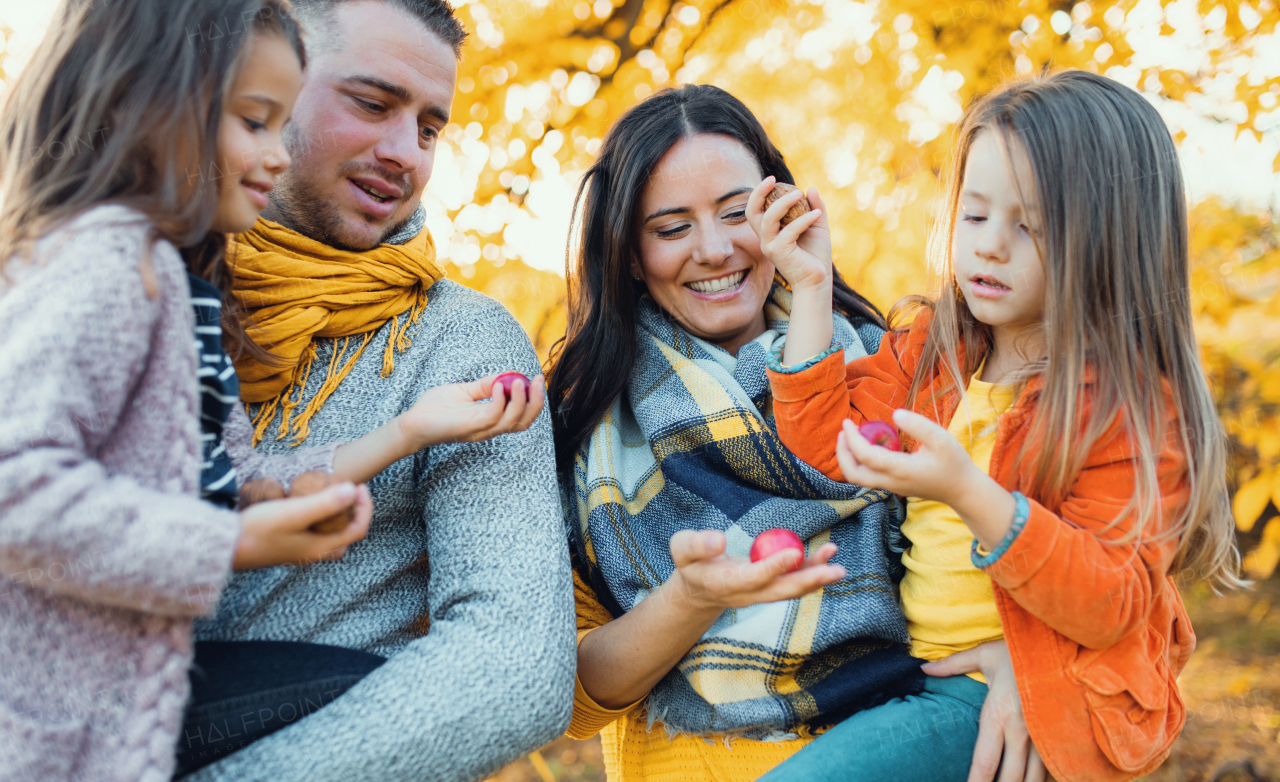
column 463, row 581
column 106, row 552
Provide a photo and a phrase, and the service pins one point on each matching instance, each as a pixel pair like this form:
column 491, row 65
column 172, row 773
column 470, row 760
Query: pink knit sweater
column 106, row 553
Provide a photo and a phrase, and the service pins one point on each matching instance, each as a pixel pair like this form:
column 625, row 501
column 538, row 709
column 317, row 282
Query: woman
column 670, row 466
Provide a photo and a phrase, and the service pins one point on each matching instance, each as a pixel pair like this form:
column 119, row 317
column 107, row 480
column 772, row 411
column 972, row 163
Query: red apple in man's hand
column 771, row 541
column 505, row 383
column 882, row 434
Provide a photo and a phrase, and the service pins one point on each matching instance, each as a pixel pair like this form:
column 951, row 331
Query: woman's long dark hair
column 121, row 104
column 590, row 366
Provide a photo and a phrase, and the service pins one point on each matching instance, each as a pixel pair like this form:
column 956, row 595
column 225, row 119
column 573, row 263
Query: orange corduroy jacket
column 1097, row 630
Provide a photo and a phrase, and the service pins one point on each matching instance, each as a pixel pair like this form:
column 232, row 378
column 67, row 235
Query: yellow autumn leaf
column 1261, row 562
column 1252, row 498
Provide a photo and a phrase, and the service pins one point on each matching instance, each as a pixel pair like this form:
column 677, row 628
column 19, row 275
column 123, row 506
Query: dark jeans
column 242, row 691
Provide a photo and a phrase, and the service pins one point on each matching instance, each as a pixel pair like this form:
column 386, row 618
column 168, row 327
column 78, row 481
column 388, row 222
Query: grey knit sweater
column 470, row 535
column 106, row 552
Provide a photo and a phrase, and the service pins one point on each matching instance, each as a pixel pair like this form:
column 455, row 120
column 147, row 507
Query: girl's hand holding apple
column 938, row 469
column 471, row 412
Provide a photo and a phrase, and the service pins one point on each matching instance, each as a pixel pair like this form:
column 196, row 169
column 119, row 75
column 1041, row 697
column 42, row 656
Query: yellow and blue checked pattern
column 691, row 446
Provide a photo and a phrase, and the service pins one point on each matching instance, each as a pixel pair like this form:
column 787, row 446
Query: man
column 463, row 582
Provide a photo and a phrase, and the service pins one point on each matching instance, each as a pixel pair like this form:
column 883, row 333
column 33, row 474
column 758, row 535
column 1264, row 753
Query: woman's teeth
column 374, row 194
column 718, row 285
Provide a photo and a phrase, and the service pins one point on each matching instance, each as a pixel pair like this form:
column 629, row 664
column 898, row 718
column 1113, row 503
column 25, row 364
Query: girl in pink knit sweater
column 141, row 133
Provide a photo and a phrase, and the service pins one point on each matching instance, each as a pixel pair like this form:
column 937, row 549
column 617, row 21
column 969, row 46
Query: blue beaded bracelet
column 1021, row 512
column 774, row 360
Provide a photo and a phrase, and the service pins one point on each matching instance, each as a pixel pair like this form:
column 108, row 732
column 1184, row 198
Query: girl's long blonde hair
column 121, row 104
column 1109, row 196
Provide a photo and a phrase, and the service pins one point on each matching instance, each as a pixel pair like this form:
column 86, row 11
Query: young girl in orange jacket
column 1062, row 455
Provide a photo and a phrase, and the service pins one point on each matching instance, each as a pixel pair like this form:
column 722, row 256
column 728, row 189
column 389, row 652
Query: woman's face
column 698, row 256
column 250, row 152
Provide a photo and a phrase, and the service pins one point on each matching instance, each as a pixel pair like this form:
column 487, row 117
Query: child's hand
column 711, row 581
column 459, row 413
column 314, row 482
column 277, row 532
column 937, row 470
column 800, row 251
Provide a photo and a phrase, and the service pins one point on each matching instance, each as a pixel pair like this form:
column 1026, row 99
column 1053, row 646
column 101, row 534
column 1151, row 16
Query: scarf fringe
column 398, row 341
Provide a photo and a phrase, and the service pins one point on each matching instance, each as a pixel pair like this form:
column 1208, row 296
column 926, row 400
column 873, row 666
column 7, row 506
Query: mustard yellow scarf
column 293, row 289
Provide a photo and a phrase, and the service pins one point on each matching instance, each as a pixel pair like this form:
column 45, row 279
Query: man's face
column 375, row 98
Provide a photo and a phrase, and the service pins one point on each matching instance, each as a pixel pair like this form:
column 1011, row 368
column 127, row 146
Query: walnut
column 779, row 190
column 316, row 481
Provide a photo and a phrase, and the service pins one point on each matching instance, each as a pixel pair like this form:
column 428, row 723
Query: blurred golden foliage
column 859, row 97
column 1235, row 287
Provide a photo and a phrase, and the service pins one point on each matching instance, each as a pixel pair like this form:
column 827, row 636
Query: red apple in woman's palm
column 506, row 383
column 882, row 434
column 771, row 541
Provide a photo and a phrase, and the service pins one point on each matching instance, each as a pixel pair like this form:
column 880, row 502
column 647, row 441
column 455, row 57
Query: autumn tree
column 860, row 97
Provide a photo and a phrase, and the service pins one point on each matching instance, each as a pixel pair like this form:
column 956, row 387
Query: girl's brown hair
column 121, row 104
column 1108, row 196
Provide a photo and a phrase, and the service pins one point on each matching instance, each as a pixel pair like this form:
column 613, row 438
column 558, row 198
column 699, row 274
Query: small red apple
column 882, row 434
column 771, row 541
column 507, row 381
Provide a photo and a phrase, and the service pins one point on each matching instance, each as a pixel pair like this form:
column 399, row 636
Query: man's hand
column 1003, row 745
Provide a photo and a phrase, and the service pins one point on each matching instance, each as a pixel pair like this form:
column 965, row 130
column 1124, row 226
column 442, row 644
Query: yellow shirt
column 633, row 753
column 948, row 602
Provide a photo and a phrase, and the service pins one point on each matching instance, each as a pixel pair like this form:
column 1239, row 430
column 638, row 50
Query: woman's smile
column 720, row 288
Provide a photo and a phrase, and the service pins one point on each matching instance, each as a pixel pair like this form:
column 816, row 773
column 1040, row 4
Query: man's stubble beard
column 298, row 205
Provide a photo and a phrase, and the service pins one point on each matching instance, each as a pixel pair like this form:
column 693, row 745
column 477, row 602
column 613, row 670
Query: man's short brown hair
column 436, row 15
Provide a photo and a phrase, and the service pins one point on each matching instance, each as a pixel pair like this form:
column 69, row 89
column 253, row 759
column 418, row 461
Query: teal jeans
column 927, row 737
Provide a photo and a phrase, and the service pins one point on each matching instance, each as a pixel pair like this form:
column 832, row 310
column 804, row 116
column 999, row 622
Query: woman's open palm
column 711, row 579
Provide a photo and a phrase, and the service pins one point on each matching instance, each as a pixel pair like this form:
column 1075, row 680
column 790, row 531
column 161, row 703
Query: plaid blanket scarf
column 689, row 446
